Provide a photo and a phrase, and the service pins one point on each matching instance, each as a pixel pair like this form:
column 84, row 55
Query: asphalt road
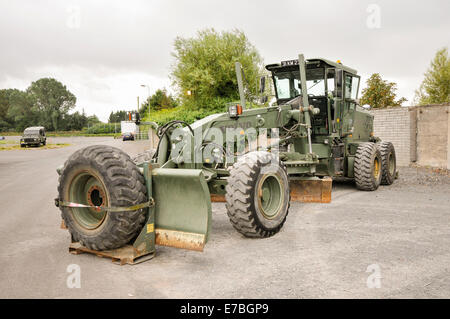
column 400, row 234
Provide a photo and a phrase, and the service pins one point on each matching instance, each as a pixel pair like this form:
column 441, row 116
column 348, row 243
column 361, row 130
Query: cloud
column 105, row 49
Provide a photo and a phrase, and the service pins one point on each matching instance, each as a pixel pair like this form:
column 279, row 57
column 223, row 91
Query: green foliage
column 45, row 103
column 6, row 122
column 92, row 120
column 161, row 100
column 205, row 66
column 21, row 110
column 116, row 117
column 380, row 93
column 103, row 128
column 435, row 88
column 74, row 122
column 52, row 100
column 186, row 113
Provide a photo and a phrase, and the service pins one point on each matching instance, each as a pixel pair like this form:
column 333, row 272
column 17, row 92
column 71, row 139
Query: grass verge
column 46, row 147
column 65, row 134
column 3, row 142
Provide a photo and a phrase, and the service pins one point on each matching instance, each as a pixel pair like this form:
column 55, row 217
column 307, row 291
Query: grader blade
column 312, row 190
column 182, row 208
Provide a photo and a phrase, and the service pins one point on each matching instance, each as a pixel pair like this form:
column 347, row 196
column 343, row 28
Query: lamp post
column 148, row 87
column 150, row 134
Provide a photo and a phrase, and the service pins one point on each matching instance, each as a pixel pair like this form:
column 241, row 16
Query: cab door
column 335, row 99
column 351, row 87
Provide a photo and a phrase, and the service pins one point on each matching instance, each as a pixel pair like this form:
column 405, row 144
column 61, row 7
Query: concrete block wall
column 393, row 125
column 419, row 133
column 433, row 136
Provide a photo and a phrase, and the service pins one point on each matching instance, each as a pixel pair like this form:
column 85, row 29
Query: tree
column 92, row 120
column 205, row 66
column 74, row 122
column 116, row 117
column 21, row 110
column 435, row 88
column 52, row 100
column 380, row 93
column 5, row 121
column 160, row 100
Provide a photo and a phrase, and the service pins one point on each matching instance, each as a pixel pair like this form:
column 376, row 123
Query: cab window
column 287, row 83
column 283, row 87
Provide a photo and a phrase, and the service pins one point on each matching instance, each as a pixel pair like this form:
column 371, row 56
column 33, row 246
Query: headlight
column 217, row 155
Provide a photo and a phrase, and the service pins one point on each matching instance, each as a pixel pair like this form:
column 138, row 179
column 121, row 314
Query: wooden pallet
column 124, row 255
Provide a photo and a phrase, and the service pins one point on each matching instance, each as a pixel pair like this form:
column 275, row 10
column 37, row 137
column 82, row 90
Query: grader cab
column 256, row 160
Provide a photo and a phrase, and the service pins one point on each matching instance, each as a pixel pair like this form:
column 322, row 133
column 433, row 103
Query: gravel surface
column 421, row 176
column 399, row 233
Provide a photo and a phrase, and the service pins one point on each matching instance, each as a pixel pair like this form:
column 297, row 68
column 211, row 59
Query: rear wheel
column 368, row 167
column 102, row 176
column 389, row 164
column 257, row 195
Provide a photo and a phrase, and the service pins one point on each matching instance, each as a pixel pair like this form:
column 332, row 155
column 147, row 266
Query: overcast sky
column 104, row 50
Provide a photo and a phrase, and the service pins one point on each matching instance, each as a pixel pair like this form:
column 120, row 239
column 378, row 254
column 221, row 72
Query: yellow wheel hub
column 376, row 168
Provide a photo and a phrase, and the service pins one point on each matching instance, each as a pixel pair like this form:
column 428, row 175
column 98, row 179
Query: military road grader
column 255, row 159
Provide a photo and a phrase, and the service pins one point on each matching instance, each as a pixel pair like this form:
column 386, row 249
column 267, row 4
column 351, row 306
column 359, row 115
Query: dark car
column 33, row 136
column 128, row 137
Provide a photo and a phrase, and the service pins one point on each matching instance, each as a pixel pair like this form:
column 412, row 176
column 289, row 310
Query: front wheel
column 257, row 195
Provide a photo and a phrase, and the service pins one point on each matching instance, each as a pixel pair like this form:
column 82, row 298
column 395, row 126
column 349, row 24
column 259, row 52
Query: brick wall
column 393, row 125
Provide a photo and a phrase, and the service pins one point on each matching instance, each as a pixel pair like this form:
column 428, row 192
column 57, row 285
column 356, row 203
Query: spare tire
column 102, row 176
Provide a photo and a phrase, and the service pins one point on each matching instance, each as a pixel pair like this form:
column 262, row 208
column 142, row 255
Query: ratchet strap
column 61, row 203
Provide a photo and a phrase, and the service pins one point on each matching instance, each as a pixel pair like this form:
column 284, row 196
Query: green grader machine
column 121, row 208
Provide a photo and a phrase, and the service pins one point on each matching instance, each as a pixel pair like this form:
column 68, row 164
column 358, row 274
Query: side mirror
column 262, row 84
